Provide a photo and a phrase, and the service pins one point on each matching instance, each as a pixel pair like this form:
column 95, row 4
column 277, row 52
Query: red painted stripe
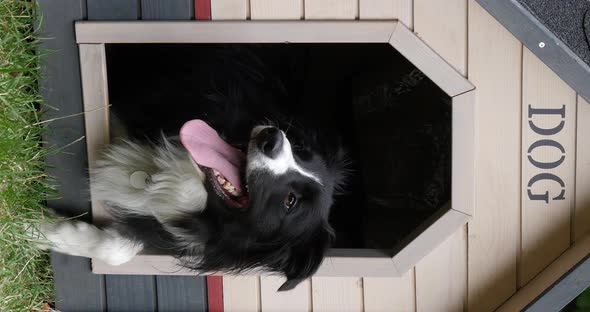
column 203, row 9
column 215, row 293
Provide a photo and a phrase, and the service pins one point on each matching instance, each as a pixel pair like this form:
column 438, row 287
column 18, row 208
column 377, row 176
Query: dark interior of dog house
column 395, row 124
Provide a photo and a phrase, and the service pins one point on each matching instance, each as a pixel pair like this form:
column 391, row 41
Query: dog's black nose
column 270, row 141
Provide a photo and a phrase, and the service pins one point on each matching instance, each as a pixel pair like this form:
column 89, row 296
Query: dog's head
column 280, row 190
column 291, row 184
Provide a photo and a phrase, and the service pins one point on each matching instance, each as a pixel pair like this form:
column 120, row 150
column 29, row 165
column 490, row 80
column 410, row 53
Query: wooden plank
column 494, row 66
column 387, row 9
column 76, row 288
column 113, row 9
column 337, row 293
column 234, row 32
column 429, row 62
column 276, row 9
column 215, row 293
column 446, row 289
column 444, row 224
column 548, row 171
column 181, row 293
column 167, row 9
column 449, row 42
column 203, row 9
column 581, row 220
column 390, row 294
column 331, row 9
column 96, row 107
column 576, row 253
column 131, row 293
column 229, row 9
column 565, row 290
column 241, row 293
column 297, row 299
column 441, row 277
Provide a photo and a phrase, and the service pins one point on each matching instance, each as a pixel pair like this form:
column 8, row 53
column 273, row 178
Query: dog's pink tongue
column 209, row 150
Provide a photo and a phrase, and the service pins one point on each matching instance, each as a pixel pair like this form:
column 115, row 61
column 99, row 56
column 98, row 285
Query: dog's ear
column 339, row 166
column 306, row 255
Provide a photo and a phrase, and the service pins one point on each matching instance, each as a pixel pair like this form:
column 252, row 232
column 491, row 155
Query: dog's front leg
column 79, row 238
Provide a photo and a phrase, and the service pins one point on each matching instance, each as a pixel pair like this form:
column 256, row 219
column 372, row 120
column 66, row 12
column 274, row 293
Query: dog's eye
column 290, row 200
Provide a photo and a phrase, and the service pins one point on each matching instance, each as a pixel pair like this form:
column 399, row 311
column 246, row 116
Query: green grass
column 25, row 276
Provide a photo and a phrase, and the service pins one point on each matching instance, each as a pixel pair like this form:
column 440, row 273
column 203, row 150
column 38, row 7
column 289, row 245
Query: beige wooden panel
column 331, row 9
column 298, row 299
column 494, row 67
column 546, row 204
column 428, row 61
column 387, row 9
column 441, row 277
column 582, row 210
column 338, row 294
column 96, row 107
column 276, row 9
column 234, row 31
column 390, row 294
column 241, row 293
column 576, row 253
column 229, row 9
column 449, row 41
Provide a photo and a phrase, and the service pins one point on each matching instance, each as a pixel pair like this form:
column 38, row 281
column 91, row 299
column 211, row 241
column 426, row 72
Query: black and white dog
column 232, row 194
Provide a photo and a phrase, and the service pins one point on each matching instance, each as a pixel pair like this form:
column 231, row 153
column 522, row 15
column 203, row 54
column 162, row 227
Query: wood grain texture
column 581, row 220
column 494, row 66
column 387, row 9
column 76, row 287
column 390, row 294
column 576, row 253
column 545, row 222
column 215, row 293
column 131, row 293
column 181, row 293
column 241, row 293
column 298, row 299
column 234, row 32
column 167, row 9
column 276, row 9
column 441, row 277
column 96, row 107
column 450, row 41
column 229, row 9
column 331, row 9
column 113, row 9
column 428, row 61
column 337, row 293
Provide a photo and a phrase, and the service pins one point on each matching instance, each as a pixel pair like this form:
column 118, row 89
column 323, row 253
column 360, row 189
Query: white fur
column 175, row 185
column 82, row 239
column 278, row 165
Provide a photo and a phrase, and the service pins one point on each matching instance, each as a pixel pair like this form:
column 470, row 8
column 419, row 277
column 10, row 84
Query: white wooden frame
column 92, row 37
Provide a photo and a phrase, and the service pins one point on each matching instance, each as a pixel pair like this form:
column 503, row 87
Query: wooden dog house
column 92, row 37
column 512, row 248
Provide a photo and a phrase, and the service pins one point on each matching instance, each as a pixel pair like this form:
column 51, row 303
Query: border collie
column 231, row 194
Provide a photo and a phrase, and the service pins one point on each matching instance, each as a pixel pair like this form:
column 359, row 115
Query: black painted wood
column 76, row 288
column 131, row 293
column 181, row 293
column 167, row 9
column 530, row 31
column 569, row 286
column 113, row 9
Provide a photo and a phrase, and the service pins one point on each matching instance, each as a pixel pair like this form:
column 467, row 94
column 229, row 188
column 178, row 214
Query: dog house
column 394, row 260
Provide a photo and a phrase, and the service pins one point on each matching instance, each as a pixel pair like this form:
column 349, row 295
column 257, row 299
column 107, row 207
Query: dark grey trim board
column 531, row 32
column 76, row 288
column 566, row 289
